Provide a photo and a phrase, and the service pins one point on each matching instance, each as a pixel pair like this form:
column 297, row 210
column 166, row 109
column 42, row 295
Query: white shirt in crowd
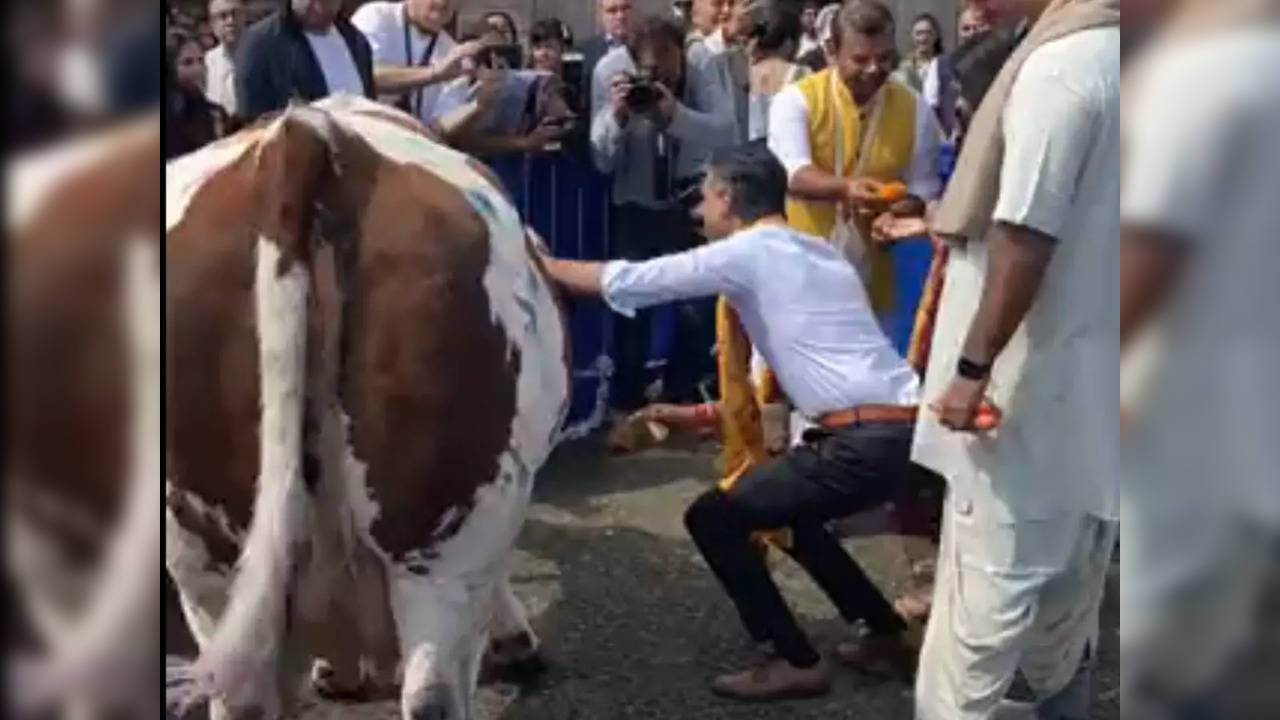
column 801, row 303
column 1206, row 171
column 931, row 83
column 384, row 25
column 1054, row 455
column 220, row 78
column 789, row 141
column 339, row 68
column 733, row 69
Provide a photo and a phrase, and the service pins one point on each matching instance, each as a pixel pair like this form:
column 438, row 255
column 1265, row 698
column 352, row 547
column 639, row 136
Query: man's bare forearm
column 1150, row 264
column 576, row 276
column 1015, row 270
column 810, row 183
column 467, row 139
column 392, row 79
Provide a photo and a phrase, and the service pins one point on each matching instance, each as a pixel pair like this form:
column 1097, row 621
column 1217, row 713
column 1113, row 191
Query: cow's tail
column 239, row 664
column 109, row 656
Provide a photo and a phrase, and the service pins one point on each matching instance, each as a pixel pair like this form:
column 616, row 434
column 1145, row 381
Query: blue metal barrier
column 563, row 198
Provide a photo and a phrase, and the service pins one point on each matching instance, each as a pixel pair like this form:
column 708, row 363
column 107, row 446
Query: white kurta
column 1055, row 453
column 1201, row 489
column 1028, row 525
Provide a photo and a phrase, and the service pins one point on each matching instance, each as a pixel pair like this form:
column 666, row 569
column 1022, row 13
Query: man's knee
column 710, row 512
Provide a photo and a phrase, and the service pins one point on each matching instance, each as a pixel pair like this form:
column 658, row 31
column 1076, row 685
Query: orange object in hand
column 988, row 417
column 892, row 191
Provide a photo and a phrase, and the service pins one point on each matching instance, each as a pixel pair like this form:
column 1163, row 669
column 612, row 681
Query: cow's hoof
column 326, row 684
column 431, row 703
column 513, row 660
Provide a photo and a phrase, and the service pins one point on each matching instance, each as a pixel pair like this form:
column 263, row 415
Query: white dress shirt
column 801, row 303
column 383, row 25
column 339, row 68
column 220, row 78
column 1057, row 381
column 789, row 140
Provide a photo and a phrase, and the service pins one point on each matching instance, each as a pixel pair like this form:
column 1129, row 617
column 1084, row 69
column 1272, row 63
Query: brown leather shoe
column 879, row 655
column 777, row 679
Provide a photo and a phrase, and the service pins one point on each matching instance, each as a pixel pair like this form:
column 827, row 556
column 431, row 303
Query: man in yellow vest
column 842, row 132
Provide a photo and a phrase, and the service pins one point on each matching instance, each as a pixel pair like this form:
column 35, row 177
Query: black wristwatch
column 970, row 370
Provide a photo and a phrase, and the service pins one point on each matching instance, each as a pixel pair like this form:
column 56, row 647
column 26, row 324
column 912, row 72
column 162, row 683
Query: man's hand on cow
column 958, row 406
column 618, row 89
column 539, row 245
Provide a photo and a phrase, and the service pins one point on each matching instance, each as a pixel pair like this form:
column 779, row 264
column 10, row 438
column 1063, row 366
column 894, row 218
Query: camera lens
column 641, row 97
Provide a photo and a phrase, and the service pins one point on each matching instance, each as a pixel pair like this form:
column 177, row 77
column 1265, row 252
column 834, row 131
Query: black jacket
column 275, row 64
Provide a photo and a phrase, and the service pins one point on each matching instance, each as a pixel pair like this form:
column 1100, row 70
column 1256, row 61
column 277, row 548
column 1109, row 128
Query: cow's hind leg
column 442, row 624
column 513, row 653
column 202, row 588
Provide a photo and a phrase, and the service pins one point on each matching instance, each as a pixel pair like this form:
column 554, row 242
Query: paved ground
column 632, row 622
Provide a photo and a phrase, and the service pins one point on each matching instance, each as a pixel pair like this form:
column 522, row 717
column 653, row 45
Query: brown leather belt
column 869, row 414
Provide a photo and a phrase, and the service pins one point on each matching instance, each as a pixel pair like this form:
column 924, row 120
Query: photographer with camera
column 656, row 118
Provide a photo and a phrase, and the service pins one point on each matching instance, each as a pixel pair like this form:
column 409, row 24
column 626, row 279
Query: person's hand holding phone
column 544, row 137
column 454, row 64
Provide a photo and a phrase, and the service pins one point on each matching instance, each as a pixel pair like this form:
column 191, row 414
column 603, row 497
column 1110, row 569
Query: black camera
column 643, row 96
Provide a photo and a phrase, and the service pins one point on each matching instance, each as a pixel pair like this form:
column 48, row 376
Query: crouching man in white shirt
column 805, row 309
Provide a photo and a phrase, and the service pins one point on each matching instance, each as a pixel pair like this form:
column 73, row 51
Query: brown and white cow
column 83, row 468
column 365, row 366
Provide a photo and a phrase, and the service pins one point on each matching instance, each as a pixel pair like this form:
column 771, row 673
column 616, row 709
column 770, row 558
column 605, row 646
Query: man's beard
column 863, row 91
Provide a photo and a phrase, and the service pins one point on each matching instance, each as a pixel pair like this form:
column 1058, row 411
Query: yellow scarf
column 741, row 397
column 889, row 153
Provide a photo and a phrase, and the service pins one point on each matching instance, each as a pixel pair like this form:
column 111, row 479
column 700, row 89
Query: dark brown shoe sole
column 790, row 694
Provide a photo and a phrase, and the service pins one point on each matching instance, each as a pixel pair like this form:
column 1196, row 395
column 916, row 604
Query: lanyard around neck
column 415, row 96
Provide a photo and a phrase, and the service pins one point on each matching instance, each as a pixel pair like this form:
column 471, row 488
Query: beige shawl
column 966, row 208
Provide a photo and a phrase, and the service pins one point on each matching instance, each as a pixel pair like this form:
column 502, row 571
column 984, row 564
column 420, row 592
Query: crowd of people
column 762, row 158
column 714, row 69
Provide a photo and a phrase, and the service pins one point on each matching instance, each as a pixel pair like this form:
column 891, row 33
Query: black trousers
column 835, row 473
column 640, row 233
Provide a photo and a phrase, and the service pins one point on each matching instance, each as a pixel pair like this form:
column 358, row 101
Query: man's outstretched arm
column 578, row 277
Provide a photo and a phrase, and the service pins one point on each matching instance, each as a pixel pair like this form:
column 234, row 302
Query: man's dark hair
column 977, row 62
column 653, row 30
column 506, row 18
column 549, row 29
column 757, row 181
column 773, row 24
column 868, row 18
